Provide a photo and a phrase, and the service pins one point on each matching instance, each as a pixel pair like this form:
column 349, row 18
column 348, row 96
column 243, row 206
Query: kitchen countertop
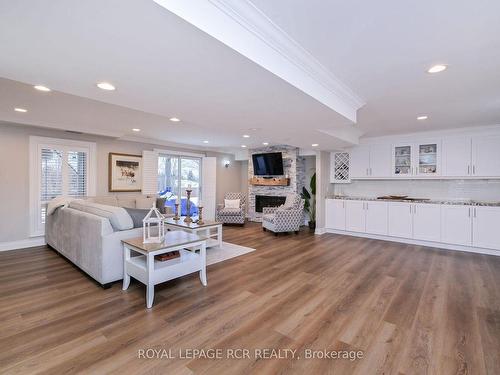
column 413, row 200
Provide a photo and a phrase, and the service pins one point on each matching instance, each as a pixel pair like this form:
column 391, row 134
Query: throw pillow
column 289, row 202
column 231, row 203
column 160, row 205
column 137, row 214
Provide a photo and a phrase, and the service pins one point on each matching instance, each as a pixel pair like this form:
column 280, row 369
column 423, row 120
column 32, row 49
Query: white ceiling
column 163, row 67
column 381, row 50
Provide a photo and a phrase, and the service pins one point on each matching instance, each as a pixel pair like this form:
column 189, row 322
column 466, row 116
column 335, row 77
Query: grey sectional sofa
column 89, row 234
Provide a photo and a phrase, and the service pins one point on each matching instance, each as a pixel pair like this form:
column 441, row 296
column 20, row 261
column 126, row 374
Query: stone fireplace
column 293, row 168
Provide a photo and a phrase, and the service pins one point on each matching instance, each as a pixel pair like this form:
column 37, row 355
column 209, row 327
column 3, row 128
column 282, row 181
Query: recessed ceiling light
column 106, row 86
column 422, row 118
column 174, row 119
column 265, row 143
column 315, row 145
column 136, row 129
column 42, row 88
column 437, row 68
column 244, row 146
column 205, row 141
column 246, row 136
column 20, row 110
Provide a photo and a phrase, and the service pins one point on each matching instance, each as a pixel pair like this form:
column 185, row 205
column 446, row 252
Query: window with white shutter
column 58, row 167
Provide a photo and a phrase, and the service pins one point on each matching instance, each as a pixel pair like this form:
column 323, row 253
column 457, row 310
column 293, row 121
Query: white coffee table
column 151, row 272
column 214, row 238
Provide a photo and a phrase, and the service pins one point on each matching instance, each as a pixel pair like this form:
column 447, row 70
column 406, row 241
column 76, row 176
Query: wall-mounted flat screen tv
column 269, row 164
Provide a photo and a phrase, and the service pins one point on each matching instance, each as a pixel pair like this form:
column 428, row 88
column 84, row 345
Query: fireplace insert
column 268, row 201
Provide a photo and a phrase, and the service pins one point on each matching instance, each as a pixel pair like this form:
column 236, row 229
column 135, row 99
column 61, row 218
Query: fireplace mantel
column 273, row 181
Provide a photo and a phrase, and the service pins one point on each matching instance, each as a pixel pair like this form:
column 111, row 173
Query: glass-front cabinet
column 416, row 159
column 427, row 159
column 402, row 160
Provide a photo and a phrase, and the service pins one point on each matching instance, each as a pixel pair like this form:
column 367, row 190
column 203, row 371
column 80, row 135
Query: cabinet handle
column 468, row 169
column 473, row 169
column 475, row 212
column 367, row 205
column 367, row 172
column 469, row 211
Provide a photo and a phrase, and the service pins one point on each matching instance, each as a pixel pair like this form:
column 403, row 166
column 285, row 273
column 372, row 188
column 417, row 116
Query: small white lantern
column 154, row 219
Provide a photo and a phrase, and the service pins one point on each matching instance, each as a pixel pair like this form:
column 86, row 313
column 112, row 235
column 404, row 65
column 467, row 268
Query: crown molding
column 243, row 27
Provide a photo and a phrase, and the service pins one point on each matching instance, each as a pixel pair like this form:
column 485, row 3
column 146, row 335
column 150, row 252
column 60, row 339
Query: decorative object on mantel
column 124, row 172
column 154, row 219
column 177, row 202
column 188, row 219
column 273, row 181
column 200, row 214
column 310, row 202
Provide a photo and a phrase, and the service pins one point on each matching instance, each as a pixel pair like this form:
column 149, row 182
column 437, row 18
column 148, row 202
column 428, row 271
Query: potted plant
column 310, row 202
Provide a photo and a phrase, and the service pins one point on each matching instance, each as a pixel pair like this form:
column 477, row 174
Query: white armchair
column 286, row 218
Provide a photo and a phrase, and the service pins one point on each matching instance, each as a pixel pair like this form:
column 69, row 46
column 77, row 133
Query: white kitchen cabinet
column 335, row 214
column 376, row 217
column 486, row 156
column 402, row 160
column 400, row 221
column 456, row 224
column 370, row 161
column 426, row 221
column 486, row 227
column 355, row 216
column 456, row 157
column 380, row 161
column 359, row 162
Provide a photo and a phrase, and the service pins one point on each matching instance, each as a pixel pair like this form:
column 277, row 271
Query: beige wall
column 14, row 172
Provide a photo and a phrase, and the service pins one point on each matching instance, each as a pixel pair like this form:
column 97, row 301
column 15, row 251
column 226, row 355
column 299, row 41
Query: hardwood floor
column 410, row 309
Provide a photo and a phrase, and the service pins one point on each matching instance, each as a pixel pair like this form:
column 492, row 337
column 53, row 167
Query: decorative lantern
column 153, row 226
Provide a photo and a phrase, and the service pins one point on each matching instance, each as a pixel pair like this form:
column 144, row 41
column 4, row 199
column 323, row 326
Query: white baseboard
column 410, row 241
column 21, row 244
column 320, row 231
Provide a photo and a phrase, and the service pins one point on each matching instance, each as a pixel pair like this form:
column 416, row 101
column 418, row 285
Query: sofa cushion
column 144, row 202
column 126, row 202
column 117, row 216
column 109, row 200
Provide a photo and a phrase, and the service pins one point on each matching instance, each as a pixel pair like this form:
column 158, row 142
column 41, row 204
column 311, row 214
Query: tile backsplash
column 485, row 190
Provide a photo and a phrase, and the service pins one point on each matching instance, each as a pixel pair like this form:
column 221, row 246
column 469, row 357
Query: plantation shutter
column 51, row 178
column 150, row 172
column 208, row 186
column 58, row 168
column 77, row 173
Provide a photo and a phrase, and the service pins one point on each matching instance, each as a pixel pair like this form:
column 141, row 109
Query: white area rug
column 228, row 250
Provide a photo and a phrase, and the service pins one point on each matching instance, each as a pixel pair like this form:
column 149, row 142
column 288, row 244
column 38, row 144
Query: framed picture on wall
column 125, row 172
